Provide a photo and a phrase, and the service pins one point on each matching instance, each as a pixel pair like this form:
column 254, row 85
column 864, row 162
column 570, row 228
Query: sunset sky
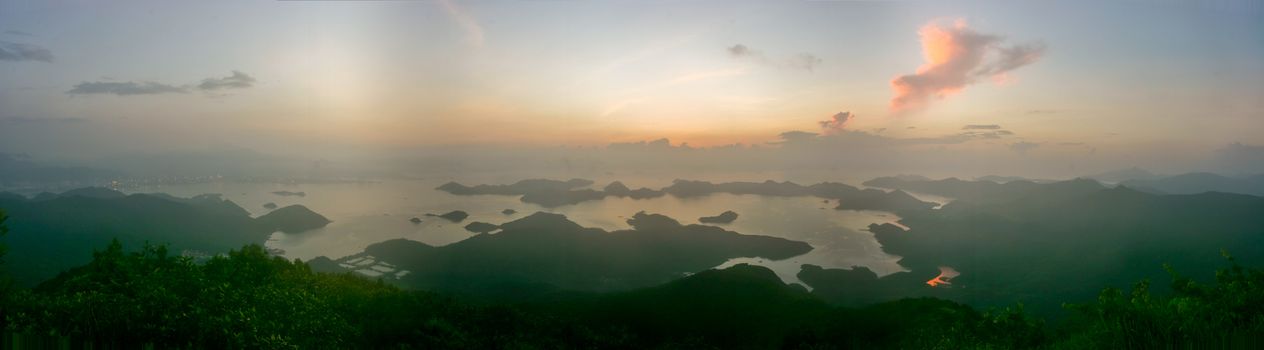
column 1124, row 76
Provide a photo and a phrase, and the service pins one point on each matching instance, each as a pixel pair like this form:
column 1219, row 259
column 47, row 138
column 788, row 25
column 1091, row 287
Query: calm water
column 367, row 213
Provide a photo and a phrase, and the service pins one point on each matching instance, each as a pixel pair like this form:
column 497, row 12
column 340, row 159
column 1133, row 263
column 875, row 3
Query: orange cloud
column 956, row 56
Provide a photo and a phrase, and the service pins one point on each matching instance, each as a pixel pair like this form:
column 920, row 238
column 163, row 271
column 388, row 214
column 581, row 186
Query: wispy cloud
column 473, row 30
column 981, row 127
column 957, row 56
column 1022, row 147
column 17, row 52
column 127, row 88
column 28, row 120
column 1042, row 111
column 836, row 123
column 802, row 61
column 237, row 80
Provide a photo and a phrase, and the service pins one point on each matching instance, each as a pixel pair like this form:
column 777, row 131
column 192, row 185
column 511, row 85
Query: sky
column 1118, row 82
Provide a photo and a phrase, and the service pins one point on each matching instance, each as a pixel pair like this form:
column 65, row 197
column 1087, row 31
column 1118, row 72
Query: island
column 293, row 219
column 453, row 216
column 726, row 217
column 545, row 252
column 554, row 193
column 269, row 205
column 481, row 227
column 290, row 194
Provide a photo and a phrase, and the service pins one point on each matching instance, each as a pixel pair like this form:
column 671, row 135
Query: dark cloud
column 740, row 50
column 237, row 80
column 836, row 123
column 17, row 52
column 662, row 144
column 796, row 136
column 802, row 61
column 128, row 88
column 987, row 134
column 1022, row 147
column 981, row 127
column 28, row 120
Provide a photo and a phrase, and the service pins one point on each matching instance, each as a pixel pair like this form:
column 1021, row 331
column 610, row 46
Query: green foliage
column 61, row 232
column 248, row 299
column 922, row 323
column 5, row 284
column 1229, row 313
column 4, row 230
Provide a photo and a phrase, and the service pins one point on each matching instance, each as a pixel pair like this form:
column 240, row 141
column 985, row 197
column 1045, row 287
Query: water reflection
column 364, row 214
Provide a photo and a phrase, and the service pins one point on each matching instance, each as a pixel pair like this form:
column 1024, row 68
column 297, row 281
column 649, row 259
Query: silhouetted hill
column 517, row 188
column 481, row 227
column 895, row 201
column 546, row 251
column 293, row 219
column 1202, row 182
column 1123, row 175
column 248, row 299
column 550, row 193
column 710, row 305
column 55, row 232
column 860, row 286
column 93, row 192
column 1063, row 241
column 988, row 191
column 1000, row 179
column 726, row 217
column 453, row 216
column 547, row 193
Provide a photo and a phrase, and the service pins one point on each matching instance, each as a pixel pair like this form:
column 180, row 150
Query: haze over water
column 370, row 212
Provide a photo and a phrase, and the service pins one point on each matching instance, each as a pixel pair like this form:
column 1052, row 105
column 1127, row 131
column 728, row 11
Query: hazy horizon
column 1040, row 89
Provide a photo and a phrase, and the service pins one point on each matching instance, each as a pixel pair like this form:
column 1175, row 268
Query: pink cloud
column 957, row 56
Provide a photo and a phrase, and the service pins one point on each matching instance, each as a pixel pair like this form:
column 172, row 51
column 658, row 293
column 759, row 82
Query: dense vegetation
column 543, row 252
column 60, row 231
column 1041, row 244
column 248, row 299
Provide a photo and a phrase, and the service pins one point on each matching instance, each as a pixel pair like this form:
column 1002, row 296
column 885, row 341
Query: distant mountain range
column 1140, row 179
column 553, row 193
column 16, row 170
column 1201, row 182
